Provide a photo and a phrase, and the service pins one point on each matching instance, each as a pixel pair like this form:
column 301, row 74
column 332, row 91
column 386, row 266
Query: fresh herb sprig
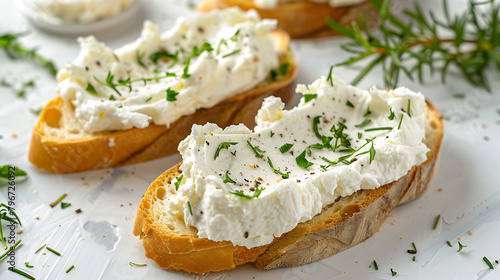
column 223, row 145
column 9, row 43
column 416, row 45
column 284, row 175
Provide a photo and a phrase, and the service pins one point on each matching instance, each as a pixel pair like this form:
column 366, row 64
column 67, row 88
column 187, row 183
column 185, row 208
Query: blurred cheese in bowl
column 78, row 17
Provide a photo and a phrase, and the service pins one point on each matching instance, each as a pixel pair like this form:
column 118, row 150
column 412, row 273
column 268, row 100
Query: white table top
column 100, row 244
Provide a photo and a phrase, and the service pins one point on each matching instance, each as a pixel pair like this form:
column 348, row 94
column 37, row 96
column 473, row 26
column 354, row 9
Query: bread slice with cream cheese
column 341, row 224
column 60, row 143
column 303, row 19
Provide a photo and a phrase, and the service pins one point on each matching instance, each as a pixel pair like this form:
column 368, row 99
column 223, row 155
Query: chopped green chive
column 414, row 251
column 223, row 145
column 272, row 134
column 53, row 251
column 227, row 179
column 360, row 135
column 178, row 181
column 393, row 272
column 112, row 97
column 379, row 128
column 13, row 269
column 485, row 259
column 149, row 99
column 53, row 204
column 308, row 97
column 190, row 210
column 70, row 268
column 449, row 243
column 10, row 249
column 40, row 248
column 27, row 264
column 437, row 221
column 231, row 53
column 375, row 265
column 413, row 258
column 409, row 107
column 348, row 103
column 365, row 122
column 400, row 121
column 137, row 264
column 460, row 246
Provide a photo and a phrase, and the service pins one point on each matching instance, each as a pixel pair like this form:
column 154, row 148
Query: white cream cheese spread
column 272, row 4
column 81, row 11
column 162, row 77
column 251, row 186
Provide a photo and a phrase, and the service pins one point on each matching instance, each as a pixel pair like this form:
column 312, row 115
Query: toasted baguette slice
column 304, row 19
column 342, row 224
column 60, row 145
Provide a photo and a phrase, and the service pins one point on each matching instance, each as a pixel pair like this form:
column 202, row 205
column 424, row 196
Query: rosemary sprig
column 11, row 45
column 416, row 45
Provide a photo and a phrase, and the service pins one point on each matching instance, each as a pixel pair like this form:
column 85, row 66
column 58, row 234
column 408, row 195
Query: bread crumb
column 19, row 231
column 14, row 135
column 470, row 232
column 357, row 262
column 440, row 190
column 85, row 183
column 44, row 254
column 37, row 217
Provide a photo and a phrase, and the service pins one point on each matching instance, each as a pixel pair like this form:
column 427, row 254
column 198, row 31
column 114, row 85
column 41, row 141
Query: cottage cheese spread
column 81, row 11
column 161, row 77
column 272, row 4
column 230, row 191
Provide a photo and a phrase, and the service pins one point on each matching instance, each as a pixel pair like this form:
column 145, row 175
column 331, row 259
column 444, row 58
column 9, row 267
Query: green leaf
column 308, row 97
column 90, row 89
column 302, row 161
column 285, row 148
column 171, row 95
column 65, row 205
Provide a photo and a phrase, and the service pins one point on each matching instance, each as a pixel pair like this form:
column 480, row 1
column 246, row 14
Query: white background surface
column 100, row 244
